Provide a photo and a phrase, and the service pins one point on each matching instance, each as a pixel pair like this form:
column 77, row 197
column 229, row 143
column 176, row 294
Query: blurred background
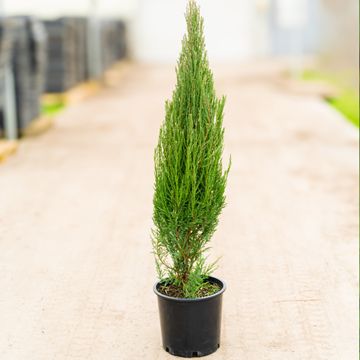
column 76, row 202
column 50, row 47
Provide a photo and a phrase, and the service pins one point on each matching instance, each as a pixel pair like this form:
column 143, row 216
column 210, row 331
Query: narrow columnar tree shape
column 189, row 176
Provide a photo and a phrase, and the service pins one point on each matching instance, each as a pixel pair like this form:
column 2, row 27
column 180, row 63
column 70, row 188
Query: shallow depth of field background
column 81, row 102
column 236, row 31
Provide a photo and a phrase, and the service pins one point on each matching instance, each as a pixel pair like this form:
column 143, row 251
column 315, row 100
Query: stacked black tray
column 121, row 39
column 28, row 63
column 5, row 56
column 62, row 65
column 113, row 43
column 23, row 43
column 68, row 44
column 81, row 25
column 52, row 56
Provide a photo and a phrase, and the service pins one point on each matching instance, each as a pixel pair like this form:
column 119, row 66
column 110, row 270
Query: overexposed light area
column 50, row 9
column 159, row 26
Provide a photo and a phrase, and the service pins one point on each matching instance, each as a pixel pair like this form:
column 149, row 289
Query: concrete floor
column 75, row 217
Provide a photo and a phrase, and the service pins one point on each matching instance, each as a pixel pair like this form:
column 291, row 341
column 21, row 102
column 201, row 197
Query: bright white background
column 235, row 29
column 156, row 27
column 159, row 26
column 54, row 8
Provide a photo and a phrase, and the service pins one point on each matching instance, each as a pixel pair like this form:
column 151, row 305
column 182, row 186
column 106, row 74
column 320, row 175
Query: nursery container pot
column 191, row 327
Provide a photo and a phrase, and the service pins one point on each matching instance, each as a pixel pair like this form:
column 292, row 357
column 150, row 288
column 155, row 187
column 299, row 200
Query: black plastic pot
column 191, row 327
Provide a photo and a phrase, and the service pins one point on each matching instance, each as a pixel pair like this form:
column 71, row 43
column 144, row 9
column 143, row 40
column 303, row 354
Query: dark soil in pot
column 208, row 288
column 191, row 327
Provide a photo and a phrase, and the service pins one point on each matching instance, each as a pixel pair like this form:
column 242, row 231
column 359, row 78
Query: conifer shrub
column 189, row 177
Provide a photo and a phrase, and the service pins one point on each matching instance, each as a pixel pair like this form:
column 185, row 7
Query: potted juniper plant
column 188, row 199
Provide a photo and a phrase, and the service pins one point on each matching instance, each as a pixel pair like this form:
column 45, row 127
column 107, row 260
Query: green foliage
column 52, row 109
column 347, row 101
column 348, row 104
column 189, row 177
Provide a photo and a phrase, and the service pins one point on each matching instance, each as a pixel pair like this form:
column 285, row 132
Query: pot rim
column 170, row 298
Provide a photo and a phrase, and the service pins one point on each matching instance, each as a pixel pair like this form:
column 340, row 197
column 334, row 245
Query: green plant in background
column 52, row 109
column 346, row 102
column 189, row 177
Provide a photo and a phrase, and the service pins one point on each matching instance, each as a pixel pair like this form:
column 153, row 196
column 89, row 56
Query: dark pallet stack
column 26, row 54
column 29, row 63
column 68, row 58
column 121, row 40
column 5, row 56
column 5, row 48
column 61, row 55
column 82, row 72
column 113, row 44
column 52, row 56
